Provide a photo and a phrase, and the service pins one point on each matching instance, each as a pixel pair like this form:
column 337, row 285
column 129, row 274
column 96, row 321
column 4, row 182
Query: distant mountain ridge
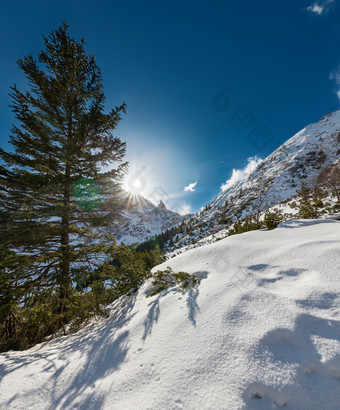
column 142, row 219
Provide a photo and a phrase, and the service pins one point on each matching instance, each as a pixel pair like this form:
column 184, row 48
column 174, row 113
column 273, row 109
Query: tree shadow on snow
column 193, row 308
column 105, row 350
column 317, row 378
column 153, row 315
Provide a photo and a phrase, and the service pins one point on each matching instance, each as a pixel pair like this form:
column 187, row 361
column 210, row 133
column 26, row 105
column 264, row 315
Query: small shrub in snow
column 247, row 224
column 308, row 207
column 272, row 219
column 166, row 279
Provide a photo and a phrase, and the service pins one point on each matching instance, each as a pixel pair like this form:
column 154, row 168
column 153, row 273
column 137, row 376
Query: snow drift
column 261, row 331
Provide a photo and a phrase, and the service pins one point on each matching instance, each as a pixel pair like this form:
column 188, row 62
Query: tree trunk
column 64, row 276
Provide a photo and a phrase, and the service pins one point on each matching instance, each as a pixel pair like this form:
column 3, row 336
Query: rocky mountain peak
column 161, row 205
column 141, row 219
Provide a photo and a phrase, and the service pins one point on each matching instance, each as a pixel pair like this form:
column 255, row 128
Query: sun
column 135, row 182
column 134, row 186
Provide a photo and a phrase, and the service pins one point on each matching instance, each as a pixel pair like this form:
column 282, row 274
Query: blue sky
column 208, row 84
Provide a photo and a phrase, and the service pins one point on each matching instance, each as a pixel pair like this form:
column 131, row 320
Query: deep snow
column 261, row 331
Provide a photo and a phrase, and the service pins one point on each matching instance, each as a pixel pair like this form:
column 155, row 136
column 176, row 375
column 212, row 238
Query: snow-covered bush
column 166, row 279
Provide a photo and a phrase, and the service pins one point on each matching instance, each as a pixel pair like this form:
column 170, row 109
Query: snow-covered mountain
column 276, row 178
column 141, row 219
column 261, row 331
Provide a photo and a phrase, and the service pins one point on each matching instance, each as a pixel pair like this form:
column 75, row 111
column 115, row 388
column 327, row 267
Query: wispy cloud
column 315, row 8
column 184, row 209
column 320, row 7
column 190, row 187
column 239, row 174
column 335, row 76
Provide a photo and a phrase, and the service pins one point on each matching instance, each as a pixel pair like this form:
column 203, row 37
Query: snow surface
column 288, row 209
column 261, row 331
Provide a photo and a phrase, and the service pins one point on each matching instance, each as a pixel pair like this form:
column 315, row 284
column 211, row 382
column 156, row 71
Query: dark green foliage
column 247, row 224
column 307, row 206
column 166, row 279
column 272, row 219
column 336, row 208
column 23, row 326
column 54, row 194
column 224, row 221
column 124, row 274
column 164, row 239
column 132, row 269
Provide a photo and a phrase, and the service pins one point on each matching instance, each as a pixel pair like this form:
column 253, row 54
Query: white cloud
column 320, row 7
column 335, row 76
column 190, row 187
column 315, row 8
column 184, row 209
column 239, row 174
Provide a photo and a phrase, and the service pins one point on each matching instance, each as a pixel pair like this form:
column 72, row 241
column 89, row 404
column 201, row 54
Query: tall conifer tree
column 54, row 194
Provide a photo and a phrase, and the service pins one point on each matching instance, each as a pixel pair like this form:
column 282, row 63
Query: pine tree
column 54, row 193
column 306, row 207
column 272, row 218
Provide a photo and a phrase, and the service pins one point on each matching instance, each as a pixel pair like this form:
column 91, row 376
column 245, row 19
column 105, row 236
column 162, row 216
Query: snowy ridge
column 276, row 178
column 261, row 331
column 142, row 219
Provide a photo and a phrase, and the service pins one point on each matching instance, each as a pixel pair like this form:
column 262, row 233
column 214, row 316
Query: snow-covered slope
column 142, row 219
column 276, row 178
column 261, row 331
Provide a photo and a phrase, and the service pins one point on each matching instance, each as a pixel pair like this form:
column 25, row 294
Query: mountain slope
column 278, row 177
column 261, row 331
column 142, row 219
